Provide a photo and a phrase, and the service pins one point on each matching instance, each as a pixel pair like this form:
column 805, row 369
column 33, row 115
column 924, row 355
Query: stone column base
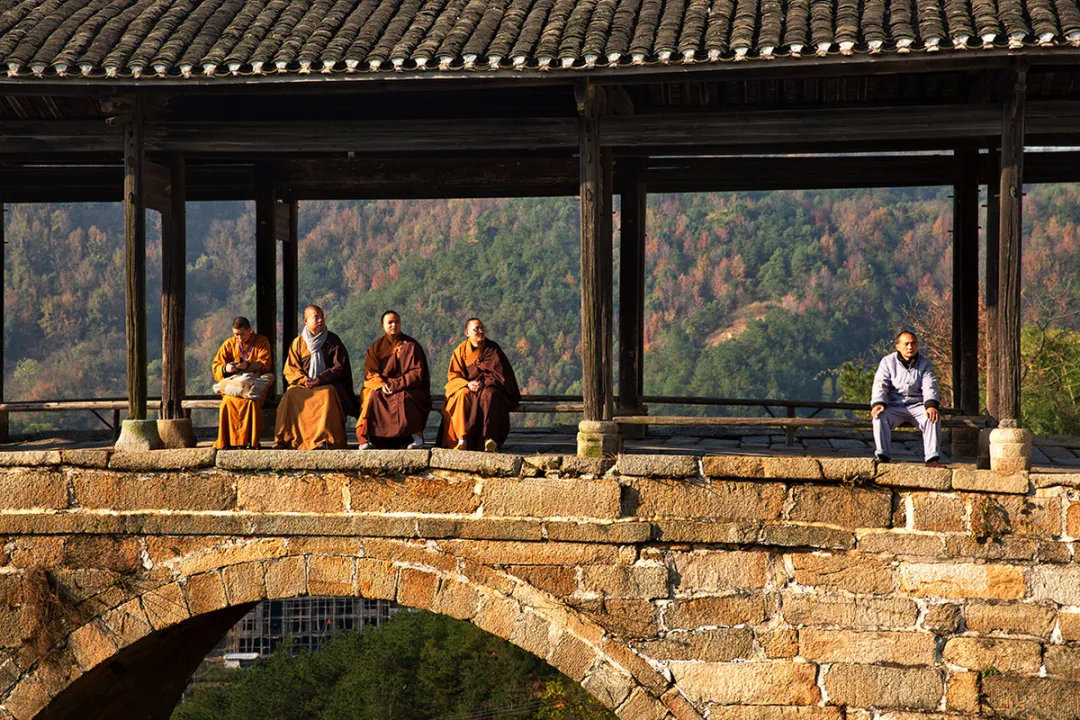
column 964, row 442
column 633, row 432
column 598, row 438
column 136, row 435
column 1010, row 448
column 176, row 433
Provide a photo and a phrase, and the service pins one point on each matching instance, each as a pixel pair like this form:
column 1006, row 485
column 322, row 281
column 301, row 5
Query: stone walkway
column 1061, row 452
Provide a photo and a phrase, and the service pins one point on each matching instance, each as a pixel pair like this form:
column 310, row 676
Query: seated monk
column 240, row 418
column 397, row 390
column 481, row 390
column 320, row 393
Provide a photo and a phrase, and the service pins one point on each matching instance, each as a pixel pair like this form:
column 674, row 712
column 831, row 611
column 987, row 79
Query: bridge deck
column 1050, row 451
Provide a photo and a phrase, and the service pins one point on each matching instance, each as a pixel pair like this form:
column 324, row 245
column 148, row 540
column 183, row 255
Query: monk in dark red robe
column 311, row 413
column 481, row 390
column 396, row 398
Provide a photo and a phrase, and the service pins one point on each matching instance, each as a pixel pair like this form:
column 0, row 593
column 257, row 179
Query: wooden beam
column 266, row 258
column 135, row 263
column 290, row 270
column 632, row 194
column 1010, row 238
column 173, row 294
column 740, row 131
column 468, row 176
column 965, row 287
column 991, row 280
column 596, row 392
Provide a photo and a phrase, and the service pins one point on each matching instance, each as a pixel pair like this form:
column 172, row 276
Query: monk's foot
column 364, row 446
column 281, row 446
column 417, row 442
column 462, row 444
column 490, row 446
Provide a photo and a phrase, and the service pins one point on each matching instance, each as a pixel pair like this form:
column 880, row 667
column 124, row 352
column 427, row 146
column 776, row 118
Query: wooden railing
column 789, row 420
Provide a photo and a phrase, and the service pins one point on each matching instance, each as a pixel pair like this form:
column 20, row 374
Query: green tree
column 417, row 666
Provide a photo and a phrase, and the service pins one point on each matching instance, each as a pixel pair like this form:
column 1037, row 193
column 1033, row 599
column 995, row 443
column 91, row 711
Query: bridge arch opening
column 111, row 664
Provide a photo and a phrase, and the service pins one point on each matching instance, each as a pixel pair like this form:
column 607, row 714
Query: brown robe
column 308, row 418
column 240, row 419
column 481, row 415
column 401, row 365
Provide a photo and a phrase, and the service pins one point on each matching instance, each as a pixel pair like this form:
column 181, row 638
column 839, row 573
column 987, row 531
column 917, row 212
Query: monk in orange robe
column 240, row 419
column 397, row 390
column 311, row 414
column 481, row 390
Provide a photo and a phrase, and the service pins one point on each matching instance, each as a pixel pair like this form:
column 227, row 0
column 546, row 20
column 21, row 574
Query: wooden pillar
column 135, row 264
column 265, row 259
column 990, row 282
column 290, row 271
column 596, row 383
column 173, row 292
column 605, row 262
column 965, row 330
column 1009, row 239
column 4, row 435
column 631, row 284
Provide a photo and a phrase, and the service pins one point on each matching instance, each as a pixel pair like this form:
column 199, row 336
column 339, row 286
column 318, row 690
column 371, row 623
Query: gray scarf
column 314, row 346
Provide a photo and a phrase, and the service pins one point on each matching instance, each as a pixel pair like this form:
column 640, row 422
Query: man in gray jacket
column 905, row 391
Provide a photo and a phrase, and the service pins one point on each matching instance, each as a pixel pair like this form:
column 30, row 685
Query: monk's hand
column 933, row 415
column 386, row 389
column 875, row 411
column 310, row 382
column 474, row 385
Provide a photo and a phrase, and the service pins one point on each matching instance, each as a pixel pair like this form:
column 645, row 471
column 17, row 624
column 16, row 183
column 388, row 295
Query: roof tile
column 148, row 38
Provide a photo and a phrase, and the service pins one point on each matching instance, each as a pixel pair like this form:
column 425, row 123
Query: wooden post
column 289, row 283
column 990, row 282
column 1009, row 238
column 265, row 259
column 4, row 434
column 965, row 331
column 135, row 264
column 631, row 285
column 605, row 261
column 173, row 290
column 596, row 388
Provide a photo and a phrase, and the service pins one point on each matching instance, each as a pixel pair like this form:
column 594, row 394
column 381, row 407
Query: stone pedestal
column 964, row 442
column 1010, row 448
column 136, row 435
column 176, row 434
column 598, row 438
column 633, row 432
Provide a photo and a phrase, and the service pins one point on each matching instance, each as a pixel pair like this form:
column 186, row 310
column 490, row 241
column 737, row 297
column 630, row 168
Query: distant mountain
column 748, row 294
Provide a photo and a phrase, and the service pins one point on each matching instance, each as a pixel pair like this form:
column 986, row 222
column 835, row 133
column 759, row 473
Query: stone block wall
column 730, row 587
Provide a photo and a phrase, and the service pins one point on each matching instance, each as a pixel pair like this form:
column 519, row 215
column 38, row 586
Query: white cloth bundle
column 245, row 385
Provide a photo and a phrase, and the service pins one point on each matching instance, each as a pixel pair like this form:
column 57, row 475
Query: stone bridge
column 670, row 587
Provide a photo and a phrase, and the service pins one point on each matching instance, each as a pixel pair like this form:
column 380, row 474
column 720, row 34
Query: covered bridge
column 161, row 101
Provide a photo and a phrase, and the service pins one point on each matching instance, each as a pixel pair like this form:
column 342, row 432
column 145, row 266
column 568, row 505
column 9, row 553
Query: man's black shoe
column 882, row 458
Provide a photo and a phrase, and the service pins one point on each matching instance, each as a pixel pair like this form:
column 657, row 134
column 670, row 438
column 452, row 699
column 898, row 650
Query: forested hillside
column 748, row 294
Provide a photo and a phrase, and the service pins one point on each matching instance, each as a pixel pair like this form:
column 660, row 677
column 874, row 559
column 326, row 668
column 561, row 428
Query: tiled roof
column 162, row 38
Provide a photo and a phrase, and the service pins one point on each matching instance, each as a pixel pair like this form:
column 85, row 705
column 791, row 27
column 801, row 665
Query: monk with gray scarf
column 311, row 413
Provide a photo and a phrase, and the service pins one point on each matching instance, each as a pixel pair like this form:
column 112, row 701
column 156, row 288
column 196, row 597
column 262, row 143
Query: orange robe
column 309, row 418
column 484, row 414
column 240, row 419
column 402, row 365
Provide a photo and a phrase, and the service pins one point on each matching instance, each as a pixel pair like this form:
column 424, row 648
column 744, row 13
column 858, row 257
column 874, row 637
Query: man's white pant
column 896, row 415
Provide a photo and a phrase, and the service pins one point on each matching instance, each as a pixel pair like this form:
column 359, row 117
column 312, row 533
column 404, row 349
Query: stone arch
column 238, row 575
